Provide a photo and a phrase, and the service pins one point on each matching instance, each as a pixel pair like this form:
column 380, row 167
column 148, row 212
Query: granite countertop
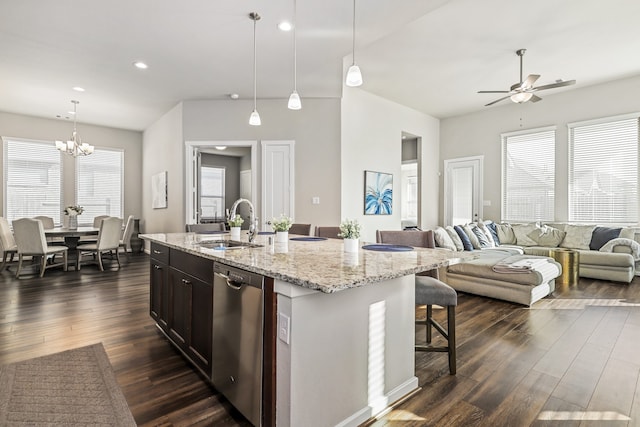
column 321, row 265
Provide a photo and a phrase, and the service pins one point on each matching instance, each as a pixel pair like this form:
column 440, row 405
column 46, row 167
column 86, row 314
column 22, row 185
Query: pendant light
column 294, row 98
column 354, row 76
column 74, row 146
column 254, row 119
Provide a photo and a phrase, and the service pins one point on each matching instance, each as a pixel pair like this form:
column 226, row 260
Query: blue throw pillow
column 463, row 236
column 602, row 235
column 494, row 232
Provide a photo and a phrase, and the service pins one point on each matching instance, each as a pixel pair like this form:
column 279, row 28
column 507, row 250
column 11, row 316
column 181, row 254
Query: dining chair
column 98, row 220
column 429, row 292
column 31, row 241
column 125, row 241
column 304, row 229
column 7, row 243
column 203, row 228
column 329, row 232
column 108, row 242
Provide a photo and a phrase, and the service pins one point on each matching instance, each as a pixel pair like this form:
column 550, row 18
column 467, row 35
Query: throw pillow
column 443, row 240
column 485, row 230
column 629, row 233
column 602, row 235
column 471, row 235
column 505, row 234
column 466, row 243
column 578, row 236
column 548, row 236
column 493, row 229
column 522, row 231
column 454, row 236
column 482, row 238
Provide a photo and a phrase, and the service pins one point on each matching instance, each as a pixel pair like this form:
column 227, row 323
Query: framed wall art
column 159, row 190
column 378, row 193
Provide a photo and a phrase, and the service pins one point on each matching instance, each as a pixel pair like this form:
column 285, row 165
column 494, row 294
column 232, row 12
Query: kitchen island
column 338, row 327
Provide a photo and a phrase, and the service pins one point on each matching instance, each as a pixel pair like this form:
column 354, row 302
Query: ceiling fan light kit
column 523, row 91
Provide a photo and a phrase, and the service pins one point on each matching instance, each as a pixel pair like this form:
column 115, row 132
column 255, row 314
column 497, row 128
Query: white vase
column 235, row 233
column 282, row 236
column 351, row 245
column 73, row 222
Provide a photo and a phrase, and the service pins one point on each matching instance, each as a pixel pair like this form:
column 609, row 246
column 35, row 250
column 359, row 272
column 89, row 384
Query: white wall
column 372, row 140
column 479, row 133
column 36, row 128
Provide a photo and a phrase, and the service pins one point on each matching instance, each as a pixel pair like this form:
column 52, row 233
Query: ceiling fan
column 524, row 90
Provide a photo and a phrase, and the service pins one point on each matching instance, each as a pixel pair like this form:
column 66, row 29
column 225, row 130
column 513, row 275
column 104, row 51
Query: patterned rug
column 71, row 388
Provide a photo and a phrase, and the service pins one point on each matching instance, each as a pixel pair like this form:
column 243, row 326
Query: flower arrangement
column 281, row 224
column 235, row 222
column 73, row 210
column 350, row 229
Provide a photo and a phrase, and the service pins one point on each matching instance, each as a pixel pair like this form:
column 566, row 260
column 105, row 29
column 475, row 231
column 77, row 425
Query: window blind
column 99, row 184
column 212, row 183
column 603, row 172
column 528, row 176
column 32, row 179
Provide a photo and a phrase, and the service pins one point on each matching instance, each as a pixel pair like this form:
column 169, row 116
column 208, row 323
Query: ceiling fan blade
column 535, row 98
column 530, row 80
column 497, row 100
column 554, row 85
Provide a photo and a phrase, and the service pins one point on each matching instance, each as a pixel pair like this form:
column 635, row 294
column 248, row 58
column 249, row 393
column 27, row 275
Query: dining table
column 71, row 238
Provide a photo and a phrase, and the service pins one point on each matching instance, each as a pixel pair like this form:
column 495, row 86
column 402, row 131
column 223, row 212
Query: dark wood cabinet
column 159, row 290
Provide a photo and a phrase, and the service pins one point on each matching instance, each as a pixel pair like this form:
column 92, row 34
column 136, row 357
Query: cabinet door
column 179, row 307
column 159, row 293
column 201, row 324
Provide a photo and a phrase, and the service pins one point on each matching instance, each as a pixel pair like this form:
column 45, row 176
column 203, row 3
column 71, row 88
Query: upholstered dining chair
column 108, row 242
column 97, row 220
column 125, row 241
column 429, row 292
column 329, row 232
column 47, row 221
column 31, row 241
column 7, row 243
column 304, row 229
column 203, row 228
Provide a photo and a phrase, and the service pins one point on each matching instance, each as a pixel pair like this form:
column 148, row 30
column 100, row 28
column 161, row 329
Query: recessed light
column 285, row 26
column 78, row 89
column 141, row 65
column 234, row 96
column 221, row 147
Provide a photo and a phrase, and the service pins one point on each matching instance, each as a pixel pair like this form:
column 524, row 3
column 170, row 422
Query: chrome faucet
column 253, row 221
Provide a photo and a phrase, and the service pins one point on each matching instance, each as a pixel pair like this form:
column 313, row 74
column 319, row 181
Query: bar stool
column 431, row 291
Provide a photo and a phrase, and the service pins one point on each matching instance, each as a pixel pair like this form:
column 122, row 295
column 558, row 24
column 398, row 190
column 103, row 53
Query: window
column 32, row 179
column 99, row 184
column 603, row 171
column 212, row 192
column 528, row 175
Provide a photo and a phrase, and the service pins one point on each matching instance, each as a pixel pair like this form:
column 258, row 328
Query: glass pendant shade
column 521, row 97
column 354, row 76
column 294, row 101
column 74, row 146
column 254, row 119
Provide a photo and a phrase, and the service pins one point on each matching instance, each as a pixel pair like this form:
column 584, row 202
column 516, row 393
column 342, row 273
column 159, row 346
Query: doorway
column 410, row 181
column 463, row 190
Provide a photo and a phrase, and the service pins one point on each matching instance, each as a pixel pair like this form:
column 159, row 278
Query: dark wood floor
column 571, row 360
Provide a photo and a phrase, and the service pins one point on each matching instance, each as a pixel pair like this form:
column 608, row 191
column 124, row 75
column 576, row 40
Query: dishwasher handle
column 230, row 283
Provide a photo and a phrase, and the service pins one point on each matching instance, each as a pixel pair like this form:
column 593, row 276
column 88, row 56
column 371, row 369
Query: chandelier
column 74, row 146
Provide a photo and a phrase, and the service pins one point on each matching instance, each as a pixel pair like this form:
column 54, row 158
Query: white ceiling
column 431, row 55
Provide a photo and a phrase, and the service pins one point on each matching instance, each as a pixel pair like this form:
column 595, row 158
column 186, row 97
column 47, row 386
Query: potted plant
column 73, row 212
column 281, row 226
column 350, row 232
column 234, row 225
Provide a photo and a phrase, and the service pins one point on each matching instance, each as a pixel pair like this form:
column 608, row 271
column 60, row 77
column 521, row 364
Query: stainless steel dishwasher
column 238, row 322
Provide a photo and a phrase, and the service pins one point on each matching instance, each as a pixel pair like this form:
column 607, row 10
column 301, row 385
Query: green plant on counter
column 281, row 224
column 349, row 229
column 235, row 222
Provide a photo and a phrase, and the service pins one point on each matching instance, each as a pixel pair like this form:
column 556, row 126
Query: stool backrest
column 421, row 239
column 330, row 232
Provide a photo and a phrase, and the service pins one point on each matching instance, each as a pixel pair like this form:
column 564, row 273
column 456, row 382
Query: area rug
column 71, row 388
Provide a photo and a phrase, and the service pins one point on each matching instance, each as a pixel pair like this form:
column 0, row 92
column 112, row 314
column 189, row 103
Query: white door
column 277, row 181
column 463, row 190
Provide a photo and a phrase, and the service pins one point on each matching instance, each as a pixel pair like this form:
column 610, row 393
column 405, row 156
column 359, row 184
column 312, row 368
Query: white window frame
column 88, row 219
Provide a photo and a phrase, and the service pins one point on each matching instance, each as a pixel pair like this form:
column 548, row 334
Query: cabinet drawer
column 200, row 268
column 159, row 252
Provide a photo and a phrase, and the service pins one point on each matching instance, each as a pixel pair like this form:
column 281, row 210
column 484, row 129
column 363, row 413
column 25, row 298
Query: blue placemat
column 308, row 239
column 262, row 233
column 388, row 248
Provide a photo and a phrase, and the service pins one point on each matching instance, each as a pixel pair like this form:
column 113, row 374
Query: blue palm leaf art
column 378, row 199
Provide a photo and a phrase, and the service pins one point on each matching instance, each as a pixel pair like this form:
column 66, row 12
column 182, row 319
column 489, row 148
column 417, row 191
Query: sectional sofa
column 605, row 253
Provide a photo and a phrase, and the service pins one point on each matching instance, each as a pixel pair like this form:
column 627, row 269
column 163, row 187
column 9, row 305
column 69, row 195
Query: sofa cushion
column 505, row 234
column 483, row 227
column 443, row 239
column 547, row 236
column 493, row 229
column 466, row 243
column 578, row 236
column 468, row 230
column 483, row 267
column 606, row 259
column 482, row 238
column 455, row 238
column 602, row 235
column 521, row 232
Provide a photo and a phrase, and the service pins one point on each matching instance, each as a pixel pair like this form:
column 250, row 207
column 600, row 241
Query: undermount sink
column 227, row 244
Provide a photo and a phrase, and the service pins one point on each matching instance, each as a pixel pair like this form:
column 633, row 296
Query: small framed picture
column 378, row 193
column 159, row 190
